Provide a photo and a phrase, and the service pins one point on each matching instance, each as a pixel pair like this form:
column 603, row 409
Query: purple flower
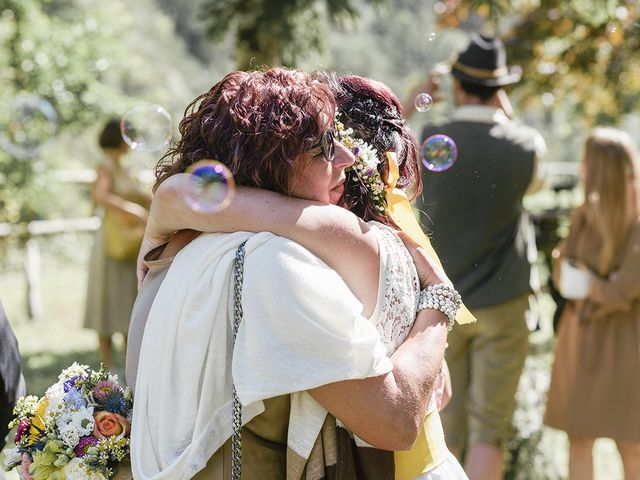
column 71, row 383
column 23, row 426
column 85, row 442
column 103, row 389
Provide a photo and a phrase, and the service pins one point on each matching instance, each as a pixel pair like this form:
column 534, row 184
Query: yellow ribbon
column 430, row 449
column 402, row 213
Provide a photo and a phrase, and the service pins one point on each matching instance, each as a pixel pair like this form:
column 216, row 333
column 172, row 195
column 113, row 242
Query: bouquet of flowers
column 78, row 430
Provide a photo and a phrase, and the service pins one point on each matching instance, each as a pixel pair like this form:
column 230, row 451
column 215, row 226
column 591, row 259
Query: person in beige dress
column 112, row 285
column 595, row 384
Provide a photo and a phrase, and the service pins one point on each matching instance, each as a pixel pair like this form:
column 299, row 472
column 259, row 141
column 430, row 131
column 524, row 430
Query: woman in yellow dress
column 123, row 205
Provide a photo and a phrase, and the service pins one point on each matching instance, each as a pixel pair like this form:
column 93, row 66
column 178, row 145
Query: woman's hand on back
column 153, row 237
column 442, row 387
column 149, row 242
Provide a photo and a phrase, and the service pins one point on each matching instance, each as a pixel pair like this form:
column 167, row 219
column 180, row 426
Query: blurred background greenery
column 78, row 62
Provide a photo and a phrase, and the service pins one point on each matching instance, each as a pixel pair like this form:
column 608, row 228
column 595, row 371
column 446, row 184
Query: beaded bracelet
column 441, row 297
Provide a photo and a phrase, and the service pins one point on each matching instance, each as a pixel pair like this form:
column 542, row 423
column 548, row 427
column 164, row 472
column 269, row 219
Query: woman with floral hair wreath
column 370, row 109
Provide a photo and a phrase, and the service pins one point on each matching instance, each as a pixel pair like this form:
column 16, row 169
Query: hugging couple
column 302, row 307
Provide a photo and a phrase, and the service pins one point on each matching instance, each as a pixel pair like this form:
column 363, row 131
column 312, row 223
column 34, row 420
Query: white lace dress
column 399, row 288
column 398, row 293
column 395, row 314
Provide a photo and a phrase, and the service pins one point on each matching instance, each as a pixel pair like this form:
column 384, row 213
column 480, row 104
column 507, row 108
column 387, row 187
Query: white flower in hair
column 365, row 165
column 368, row 155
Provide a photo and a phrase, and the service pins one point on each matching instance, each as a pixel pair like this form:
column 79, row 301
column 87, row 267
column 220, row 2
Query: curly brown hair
column 257, row 123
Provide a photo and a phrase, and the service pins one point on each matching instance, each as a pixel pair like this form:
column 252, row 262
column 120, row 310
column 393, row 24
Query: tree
column 275, row 33
column 585, row 53
column 88, row 60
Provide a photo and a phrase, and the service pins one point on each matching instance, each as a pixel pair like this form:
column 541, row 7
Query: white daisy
column 83, row 421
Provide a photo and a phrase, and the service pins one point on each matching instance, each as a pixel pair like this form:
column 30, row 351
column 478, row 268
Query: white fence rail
column 51, row 227
column 36, row 228
column 32, row 258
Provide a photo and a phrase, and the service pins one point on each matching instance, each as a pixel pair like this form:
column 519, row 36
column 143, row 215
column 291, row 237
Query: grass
column 56, row 340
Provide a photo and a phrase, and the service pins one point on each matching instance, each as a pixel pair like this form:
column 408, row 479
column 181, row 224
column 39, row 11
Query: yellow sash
column 430, row 449
column 402, row 213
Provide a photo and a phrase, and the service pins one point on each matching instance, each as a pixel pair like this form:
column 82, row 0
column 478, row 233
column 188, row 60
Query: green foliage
column 275, row 33
column 584, row 53
column 397, row 45
column 90, row 60
column 526, row 459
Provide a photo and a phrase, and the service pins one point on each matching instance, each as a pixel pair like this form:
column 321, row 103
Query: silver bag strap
column 236, row 441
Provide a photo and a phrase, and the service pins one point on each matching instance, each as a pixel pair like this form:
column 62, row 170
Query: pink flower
column 107, row 424
column 103, row 389
column 23, row 426
column 26, row 463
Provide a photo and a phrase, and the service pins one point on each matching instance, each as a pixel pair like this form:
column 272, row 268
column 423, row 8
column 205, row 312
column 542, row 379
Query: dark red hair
column 257, row 123
column 373, row 111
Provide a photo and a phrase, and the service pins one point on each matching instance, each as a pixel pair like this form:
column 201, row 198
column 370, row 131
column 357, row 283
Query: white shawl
column 302, row 328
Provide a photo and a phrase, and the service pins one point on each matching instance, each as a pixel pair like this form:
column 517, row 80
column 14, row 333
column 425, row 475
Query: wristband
column 443, row 298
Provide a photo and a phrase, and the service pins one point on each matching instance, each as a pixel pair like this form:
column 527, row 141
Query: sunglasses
column 327, row 145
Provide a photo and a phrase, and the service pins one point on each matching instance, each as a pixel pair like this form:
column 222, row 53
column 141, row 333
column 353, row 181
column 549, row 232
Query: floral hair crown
column 365, row 165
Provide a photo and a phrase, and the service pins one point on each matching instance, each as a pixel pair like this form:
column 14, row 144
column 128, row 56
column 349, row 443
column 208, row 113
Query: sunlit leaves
column 585, row 52
column 276, row 33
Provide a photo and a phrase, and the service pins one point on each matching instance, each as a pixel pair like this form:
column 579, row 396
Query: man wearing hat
column 482, row 235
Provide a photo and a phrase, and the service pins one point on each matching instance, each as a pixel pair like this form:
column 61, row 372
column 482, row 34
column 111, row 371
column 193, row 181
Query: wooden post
column 32, row 268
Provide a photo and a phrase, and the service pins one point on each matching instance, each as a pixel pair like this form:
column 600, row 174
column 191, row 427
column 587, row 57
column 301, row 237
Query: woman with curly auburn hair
column 257, row 123
column 595, row 382
column 322, row 367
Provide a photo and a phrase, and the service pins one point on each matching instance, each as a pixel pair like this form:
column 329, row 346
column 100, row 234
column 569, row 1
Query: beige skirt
column 111, row 291
column 595, row 383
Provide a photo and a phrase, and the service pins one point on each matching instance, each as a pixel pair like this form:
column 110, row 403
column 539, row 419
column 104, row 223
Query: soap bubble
column 30, row 121
column 439, row 153
column 147, row 127
column 210, row 186
column 423, row 102
column 547, row 99
column 439, row 8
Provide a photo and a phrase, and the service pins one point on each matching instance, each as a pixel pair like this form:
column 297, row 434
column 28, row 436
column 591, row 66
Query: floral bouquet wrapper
column 78, row 430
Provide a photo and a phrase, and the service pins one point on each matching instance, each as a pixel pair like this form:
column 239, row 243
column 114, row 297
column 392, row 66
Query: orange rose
column 107, row 424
